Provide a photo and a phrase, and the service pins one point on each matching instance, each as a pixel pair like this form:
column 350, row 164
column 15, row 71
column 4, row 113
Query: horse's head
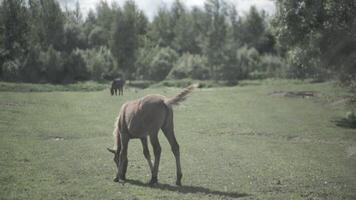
column 112, row 90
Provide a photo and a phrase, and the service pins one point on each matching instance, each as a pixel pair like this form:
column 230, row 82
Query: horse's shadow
column 187, row 189
column 345, row 123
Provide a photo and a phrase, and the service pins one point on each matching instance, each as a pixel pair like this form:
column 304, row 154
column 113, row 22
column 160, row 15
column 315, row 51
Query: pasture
column 242, row 142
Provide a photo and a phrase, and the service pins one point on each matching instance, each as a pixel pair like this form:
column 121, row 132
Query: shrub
column 248, row 58
column 32, row 69
column 162, row 64
column 98, row 37
column 100, row 63
column 144, row 59
column 190, row 66
column 269, row 66
column 11, row 70
column 52, row 65
column 75, row 67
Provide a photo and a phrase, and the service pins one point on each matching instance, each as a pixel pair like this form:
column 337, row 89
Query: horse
column 141, row 118
column 117, row 84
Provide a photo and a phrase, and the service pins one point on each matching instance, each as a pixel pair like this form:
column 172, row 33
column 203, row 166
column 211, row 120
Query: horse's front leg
column 123, row 161
column 146, row 153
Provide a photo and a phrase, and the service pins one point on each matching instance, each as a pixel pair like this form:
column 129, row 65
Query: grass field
column 236, row 142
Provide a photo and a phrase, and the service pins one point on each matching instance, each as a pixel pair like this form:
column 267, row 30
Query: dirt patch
column 303, row 94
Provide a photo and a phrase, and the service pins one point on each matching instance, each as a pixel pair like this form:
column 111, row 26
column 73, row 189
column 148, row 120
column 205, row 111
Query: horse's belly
column 143, row 125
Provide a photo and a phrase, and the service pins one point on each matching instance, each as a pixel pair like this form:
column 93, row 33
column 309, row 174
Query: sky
column 150, row 7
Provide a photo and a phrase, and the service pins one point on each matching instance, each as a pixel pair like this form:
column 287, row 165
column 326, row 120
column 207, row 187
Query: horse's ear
column 111, row 150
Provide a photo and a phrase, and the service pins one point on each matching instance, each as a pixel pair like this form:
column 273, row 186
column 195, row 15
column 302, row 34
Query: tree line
column 40, row 42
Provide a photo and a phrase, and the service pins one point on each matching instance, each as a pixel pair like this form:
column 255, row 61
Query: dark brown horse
column 117, row 84
column 145, row 117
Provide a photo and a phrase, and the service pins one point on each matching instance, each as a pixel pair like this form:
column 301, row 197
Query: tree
column 161, row 31
column 323, row 30
column 51, row 24
column 216, row 35
column 162, row 63
column 126, row 36
column 190, row 66
column 14, row 28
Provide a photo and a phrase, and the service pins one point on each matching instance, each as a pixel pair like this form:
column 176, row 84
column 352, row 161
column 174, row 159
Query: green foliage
column 33, row 69
column 10, row 70
column 53, row 65
column 144, row 59
column 128, row 26
column 75, row 67
column 73, row 37
column 162, row 63
column 248, row 59
column 216, row 11
column 161, row 30
column 14, row 28
column 319, row 34
column 269, row 66
column 190, row 66
column 315, row 39
column 100, row 63
column 98, row 37
column 51, row 24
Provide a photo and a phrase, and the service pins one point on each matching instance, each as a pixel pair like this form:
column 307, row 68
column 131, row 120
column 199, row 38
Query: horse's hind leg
column 169, row 133
column 146, row 153
column 157, row 151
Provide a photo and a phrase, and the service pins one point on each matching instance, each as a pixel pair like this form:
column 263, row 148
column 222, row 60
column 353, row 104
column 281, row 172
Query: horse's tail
column 176, row 100
column 116, row 133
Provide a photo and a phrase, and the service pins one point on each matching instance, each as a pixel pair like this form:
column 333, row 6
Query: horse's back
column 118, row 82
column 145, row 116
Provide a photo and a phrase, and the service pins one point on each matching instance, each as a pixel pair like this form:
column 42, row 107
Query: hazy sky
column 150, row 6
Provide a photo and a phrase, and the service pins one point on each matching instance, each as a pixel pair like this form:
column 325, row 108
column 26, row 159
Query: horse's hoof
column 178, row 183
column 119, row 180
column 153, row 181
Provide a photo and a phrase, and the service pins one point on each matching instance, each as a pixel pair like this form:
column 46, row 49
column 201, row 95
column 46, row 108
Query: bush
column 162, row 63
column 248, row 58
column 73, row 37
column 304, row 64
column 98, row 37
column 32, row 69
column 190, row 66
column 52, row 65
column 144, row 59
column 11, row 70
column 75, row 67
column 269, row 66
column 100, row 63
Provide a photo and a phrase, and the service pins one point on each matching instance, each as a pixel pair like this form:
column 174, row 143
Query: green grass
column 45, row 87
column 236, row 142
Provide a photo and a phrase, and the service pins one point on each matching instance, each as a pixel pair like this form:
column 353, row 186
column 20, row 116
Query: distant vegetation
column 40, row 42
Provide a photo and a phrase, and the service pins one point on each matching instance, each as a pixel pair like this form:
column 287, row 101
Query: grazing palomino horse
column 145, row 117
column 117, row 84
